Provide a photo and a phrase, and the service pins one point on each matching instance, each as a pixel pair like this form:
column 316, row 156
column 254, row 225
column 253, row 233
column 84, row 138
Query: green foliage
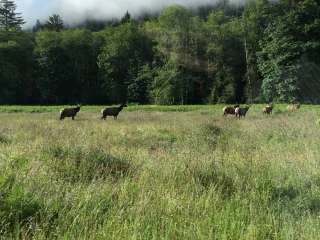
column 226, row 59
column 181, row 47
column 167, row 86
column 255, row 19
column 139, row 88
column 289, row 44
column 125, row 51
column 16, row 67
column 67, row 68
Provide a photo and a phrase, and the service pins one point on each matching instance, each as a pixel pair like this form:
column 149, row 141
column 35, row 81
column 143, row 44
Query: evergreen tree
column 289, row 56
column 37, row 27
column 9, row 18
column 138, row 90
column 254, row 21
column 167, row 85
column 124, row 53
column 55, row 23
column 126, row 18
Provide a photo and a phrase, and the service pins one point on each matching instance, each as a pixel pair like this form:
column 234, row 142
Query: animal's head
column 124, row 105
column 78, row 107
column 246, row 108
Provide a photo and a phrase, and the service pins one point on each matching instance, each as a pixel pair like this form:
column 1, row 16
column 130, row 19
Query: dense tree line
column 262, row 51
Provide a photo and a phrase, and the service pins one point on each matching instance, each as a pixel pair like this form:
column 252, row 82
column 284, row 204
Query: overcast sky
column 74, row 11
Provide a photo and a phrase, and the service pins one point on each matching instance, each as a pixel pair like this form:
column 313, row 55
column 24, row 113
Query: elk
column 112, row 111
column 228, row 110
column 69, row 112
column 293, row 107
column 268, row 109
column 241, row 112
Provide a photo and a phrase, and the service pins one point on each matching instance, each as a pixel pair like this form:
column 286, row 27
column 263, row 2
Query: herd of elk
column 236, row 110
column 242, row 111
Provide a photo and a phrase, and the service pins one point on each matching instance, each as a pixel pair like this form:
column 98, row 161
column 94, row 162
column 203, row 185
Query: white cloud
column 73, row 11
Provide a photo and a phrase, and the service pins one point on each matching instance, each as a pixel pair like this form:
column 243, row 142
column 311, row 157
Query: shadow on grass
column 295, row 199
column 284, row 193
column 216, row 178
column 211, row 134
column 77, row 164
column 4, row 139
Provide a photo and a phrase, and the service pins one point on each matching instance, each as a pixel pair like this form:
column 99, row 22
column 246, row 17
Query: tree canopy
column 262, row 51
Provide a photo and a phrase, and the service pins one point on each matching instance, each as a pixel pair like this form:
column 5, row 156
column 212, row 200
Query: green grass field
column 180, row 172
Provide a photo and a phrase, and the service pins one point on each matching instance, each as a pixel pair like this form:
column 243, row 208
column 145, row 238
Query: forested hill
column 260, row 52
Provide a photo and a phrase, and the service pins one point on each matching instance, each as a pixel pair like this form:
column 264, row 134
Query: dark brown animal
column 293, row 107
column 113, row 111
column 69, row 112
column 268, row 109
column 229, row 110
column 241, row 112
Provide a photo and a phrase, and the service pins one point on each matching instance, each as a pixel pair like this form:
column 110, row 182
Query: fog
column 74, row 11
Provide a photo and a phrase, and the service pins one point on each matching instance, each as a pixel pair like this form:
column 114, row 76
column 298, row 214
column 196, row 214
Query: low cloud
column 74, row 11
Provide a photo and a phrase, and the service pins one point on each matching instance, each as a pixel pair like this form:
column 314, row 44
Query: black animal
column 69, row 112
column 112, row 111
column 241, row 112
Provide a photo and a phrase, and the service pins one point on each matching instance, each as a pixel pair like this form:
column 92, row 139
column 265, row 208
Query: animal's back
column 228, row 110
column 268, row 109
column 69, row 112
column 293, row 107
column 241, row 112
column 111, row 111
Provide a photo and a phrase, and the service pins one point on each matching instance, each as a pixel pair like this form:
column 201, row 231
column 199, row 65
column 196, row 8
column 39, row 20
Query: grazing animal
column 229, row 110
column 268, row 109
column 69, row 112
column 113, row 111
column 241, row 112
column 293, row 107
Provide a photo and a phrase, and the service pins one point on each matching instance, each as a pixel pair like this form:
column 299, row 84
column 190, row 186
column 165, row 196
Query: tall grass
column 160, row 174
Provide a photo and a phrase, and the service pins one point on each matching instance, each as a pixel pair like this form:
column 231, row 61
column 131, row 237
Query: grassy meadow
column 180, row 172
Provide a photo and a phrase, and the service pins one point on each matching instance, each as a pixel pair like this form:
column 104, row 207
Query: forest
column 261, row 51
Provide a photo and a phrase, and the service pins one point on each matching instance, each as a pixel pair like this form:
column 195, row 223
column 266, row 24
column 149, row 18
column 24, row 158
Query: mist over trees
column 262, row 51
